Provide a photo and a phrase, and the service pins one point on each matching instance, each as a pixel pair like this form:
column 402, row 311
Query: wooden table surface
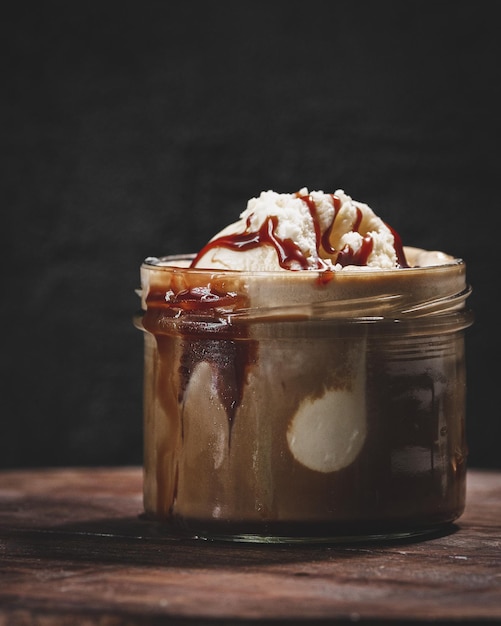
column 74, row 550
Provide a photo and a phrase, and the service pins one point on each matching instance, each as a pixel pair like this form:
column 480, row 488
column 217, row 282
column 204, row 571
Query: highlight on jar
column 304, row 379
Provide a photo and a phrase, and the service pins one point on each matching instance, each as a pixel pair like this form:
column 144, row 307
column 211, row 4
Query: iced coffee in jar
column 304, row 379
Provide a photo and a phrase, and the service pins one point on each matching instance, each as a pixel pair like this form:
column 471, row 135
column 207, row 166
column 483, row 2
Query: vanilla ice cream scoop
column 304, row 231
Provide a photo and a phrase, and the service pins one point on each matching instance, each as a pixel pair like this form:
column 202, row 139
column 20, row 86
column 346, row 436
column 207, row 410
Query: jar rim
column 169, row 283
column 182, row 262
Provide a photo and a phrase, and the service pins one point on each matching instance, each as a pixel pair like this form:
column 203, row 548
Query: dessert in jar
column 304, row 379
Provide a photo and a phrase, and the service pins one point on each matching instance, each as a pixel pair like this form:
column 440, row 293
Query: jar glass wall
column 306, row 407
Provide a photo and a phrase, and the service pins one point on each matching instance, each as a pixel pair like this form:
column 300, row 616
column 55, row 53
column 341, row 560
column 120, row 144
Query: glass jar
column 304, row 406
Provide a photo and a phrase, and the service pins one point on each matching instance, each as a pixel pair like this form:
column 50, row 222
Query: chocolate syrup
column 326, row 244
column 288, row 252
column 204, row 335
column 198, row 317
column 399, row 249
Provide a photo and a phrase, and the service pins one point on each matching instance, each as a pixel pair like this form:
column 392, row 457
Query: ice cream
column 304, row 377
column 300, row 231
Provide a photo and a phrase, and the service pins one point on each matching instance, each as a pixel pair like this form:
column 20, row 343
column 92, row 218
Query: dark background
column 141, row 128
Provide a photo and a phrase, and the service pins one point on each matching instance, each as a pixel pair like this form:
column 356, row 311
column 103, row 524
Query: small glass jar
column 304, row 406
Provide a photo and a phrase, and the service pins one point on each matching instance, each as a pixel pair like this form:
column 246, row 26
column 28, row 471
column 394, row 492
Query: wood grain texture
column 74, row 550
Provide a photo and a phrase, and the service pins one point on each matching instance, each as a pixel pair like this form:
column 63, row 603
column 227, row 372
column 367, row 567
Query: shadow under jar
column 304, row 406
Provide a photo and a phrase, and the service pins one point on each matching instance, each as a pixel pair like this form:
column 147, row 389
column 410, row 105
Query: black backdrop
column 141, row 128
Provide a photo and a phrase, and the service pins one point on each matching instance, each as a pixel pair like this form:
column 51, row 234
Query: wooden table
column 74, row 550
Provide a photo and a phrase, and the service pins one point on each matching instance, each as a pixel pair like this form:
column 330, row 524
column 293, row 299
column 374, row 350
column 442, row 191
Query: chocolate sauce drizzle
column 206, row 337
column 290, row 256
column 196, row 317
